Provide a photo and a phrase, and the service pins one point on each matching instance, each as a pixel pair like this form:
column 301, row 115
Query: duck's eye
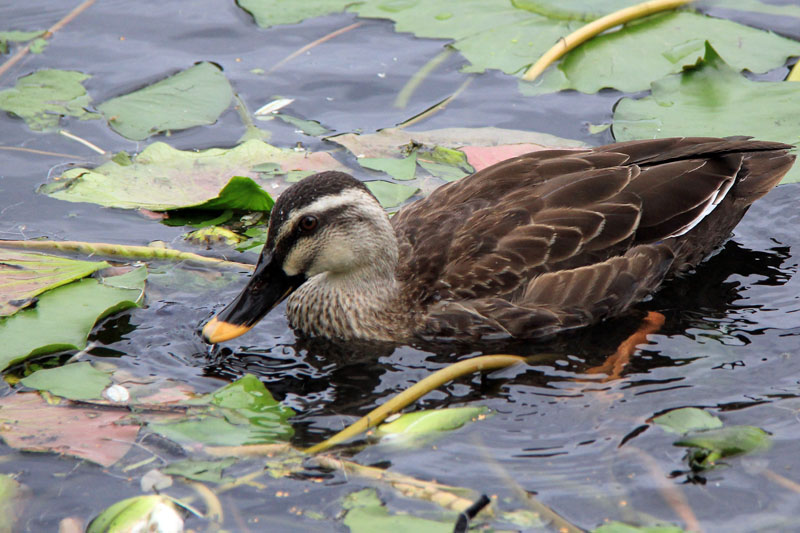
column 308, row 223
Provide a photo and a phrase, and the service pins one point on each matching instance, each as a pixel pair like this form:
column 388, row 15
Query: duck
column 525, row 249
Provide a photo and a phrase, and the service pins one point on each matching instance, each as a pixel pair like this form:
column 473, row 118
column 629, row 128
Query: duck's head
column 328, row 223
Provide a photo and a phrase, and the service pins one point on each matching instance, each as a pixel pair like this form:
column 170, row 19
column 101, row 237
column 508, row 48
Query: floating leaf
column 25, row 275
column 715, row 100
column 274, row 12
column 210, row 471
column 77, row 381
column 399, row 169
column 619, row 527
column 89, row 432
column 366, row 514
column 430, row 421
column 687, row 419
column 15, row 36
column 43, row 97
column 240, row 193
column 193, row 97
column 446, row 163
column 141, row 513
column 162, row 178
column 391, row 194
column 660, row 45
column 482, row 146
column 247, row 414
column 716, row 444
column 63, row 317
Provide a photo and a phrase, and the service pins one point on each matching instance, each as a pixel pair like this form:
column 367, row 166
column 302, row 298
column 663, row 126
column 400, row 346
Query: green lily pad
column 63, row 317
column 619, row 527
column 25, row 275
column 193, row 97
column 209, row 471
column 660, row 45
column 275, row 12
column 77, row 381
column 367, row 514
column 687, row 419
column 399, row 169
column 240, row 193
column 43, row 97
column 713, row 99
column 446, row 163
column 16, row 36
column 715, row 444
column 162, row 178
column 391, row 194
column 243, row 412
column 430, row 421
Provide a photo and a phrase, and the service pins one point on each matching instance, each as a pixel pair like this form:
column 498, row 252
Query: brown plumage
column 529, row 247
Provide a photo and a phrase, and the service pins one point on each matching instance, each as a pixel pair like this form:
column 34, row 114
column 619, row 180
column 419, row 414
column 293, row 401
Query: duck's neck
column 358, row 304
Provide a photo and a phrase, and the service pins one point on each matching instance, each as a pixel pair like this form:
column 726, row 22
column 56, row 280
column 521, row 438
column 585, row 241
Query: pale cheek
column 293, row 264
column 333, row 258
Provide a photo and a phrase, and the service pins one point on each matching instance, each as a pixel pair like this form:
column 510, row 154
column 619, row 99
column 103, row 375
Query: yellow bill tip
column 218, row 331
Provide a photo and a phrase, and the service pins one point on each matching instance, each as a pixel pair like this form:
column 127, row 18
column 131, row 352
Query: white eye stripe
column 328, row 203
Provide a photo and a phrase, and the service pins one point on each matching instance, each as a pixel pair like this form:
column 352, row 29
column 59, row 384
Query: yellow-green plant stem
column 794, row 74
column 144, row 253
column 580, row 36
column 416, row 391
column 419, row 76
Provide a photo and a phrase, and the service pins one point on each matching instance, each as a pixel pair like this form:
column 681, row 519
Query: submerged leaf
column 77, row 381
column 274, row 12
column 713, row 99
column 24, row 275
column 162, row 178
column 619, row 527
column 63, row 317
column 193, row 97
column 687, row 419
column 716, row 444
column 43, row 97
column 309, row 127
column 12, row 502
column 210, row 471
column 366, row 514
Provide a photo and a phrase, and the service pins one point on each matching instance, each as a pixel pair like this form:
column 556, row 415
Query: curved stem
column 416, row 391
column 578, row 37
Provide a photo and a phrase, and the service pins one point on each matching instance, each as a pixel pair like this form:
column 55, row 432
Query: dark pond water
column 730, row 342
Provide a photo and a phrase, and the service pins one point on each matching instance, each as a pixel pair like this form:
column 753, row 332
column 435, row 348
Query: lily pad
column 399, row 169
column 687, row 419
column 660, row 45
column 309, row 127
column 16, row 36
column 162, row 178
column 715, row 444
column 391, row 194
column 78, row 381
column 193, row 97
column 713, row 99
column 275, row 12
column 243, row 412
column 367, row 514
column 93, row 433
column 43, row 97
column 25, row 275
column 63, row 317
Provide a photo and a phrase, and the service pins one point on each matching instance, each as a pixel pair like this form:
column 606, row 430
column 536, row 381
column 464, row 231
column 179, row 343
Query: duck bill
column 268, row 287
